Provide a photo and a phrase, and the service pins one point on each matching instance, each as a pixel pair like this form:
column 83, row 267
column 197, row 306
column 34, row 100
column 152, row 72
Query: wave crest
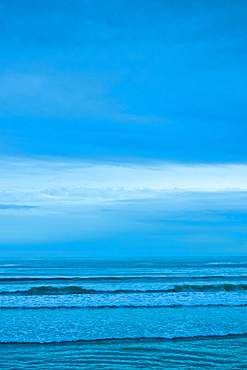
column 186, row 288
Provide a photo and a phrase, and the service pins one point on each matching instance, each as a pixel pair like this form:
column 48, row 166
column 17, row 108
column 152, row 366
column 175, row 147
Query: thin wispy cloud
column 15, row 207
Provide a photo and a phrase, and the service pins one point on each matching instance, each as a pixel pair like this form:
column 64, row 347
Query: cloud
column 35, row 182
column 115, row 210
column 127, row 123
column 95, row 59
column 56, row 95
column 82, row 21
column 63, row 96
column 16, row 207
column 124, row 79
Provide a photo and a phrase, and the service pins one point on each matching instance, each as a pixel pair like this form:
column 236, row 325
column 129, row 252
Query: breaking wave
column 67, row 290
column 137, row 338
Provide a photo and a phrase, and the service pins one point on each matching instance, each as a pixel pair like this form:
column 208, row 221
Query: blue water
column 123, row 314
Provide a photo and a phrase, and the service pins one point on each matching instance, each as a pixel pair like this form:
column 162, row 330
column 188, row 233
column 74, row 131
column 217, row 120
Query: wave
column 141, row 338
column 58, row 279
column 175, row 305
column 209, row 288
column 67, row 290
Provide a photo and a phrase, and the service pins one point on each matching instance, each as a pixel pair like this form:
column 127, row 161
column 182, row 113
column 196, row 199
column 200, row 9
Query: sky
column 123, row 128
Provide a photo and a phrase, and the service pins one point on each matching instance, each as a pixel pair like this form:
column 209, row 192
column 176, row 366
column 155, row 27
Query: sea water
column 123, row 313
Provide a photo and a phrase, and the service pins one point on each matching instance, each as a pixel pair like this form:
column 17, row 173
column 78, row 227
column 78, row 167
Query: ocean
column 139, row 313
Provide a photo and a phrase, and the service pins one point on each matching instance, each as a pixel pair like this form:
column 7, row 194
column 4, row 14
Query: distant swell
column 98, row 279
column 50, row 290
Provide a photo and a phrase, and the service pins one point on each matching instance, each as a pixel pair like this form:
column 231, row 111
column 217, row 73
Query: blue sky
column 123, row 127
